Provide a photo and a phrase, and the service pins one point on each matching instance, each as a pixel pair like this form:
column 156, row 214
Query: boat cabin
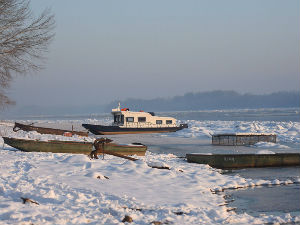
column 126, row 118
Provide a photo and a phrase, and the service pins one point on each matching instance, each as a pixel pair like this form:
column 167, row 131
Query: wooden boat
column 73, row 147
column 230, row 161
column 44, row 130
column 129, row 122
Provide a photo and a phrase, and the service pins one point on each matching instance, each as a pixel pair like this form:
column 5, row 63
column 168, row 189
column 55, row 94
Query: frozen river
column 285, row 123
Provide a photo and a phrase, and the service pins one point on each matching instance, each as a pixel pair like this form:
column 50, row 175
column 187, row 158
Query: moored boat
column 45, row 130
column 75, row 147
column 130, row 122
column 231, row 161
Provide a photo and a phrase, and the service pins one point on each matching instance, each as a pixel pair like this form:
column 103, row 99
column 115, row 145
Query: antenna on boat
column 119, row 107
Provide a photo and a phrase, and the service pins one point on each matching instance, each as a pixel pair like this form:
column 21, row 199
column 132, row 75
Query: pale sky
column 108, row 50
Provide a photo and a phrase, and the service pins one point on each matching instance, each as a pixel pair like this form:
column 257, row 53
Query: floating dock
column 231, row 161
column 238, row 139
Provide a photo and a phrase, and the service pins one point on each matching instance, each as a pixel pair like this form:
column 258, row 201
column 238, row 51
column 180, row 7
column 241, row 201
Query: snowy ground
column 72, row 189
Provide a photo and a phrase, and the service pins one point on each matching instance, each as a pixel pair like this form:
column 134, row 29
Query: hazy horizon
column 107, row 50
column 213, row 100
column 126, row 99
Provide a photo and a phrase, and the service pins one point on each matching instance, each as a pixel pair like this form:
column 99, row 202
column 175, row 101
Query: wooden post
column 120, row 155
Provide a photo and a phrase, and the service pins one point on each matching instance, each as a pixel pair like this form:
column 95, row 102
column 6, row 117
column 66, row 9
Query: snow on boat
column 76, row 147
column 45, row 130
column 129, row 122
column 230, row 161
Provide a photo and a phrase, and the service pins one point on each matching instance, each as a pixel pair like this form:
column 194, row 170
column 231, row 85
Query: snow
column 243, row 134
column 270, row 145
column 264, row 152
column 78, row 190
column 33, row 135
column 285, row 131
column 73, row 189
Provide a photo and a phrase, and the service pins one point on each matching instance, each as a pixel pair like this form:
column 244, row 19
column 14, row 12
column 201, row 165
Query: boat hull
column 231, row 161
column 72, row 147
column 111, row 130
column 44, row 130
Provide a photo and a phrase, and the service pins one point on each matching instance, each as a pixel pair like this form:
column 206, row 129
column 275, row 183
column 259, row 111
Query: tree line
column 212, row 100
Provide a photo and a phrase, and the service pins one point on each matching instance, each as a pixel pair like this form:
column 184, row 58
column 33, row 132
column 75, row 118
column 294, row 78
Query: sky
column 114, row 50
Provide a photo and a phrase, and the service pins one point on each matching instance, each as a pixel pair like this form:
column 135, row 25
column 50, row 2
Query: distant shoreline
column 213, row 100
column 259, row 114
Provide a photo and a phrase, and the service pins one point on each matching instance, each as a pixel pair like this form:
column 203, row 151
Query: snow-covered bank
column 72, row 189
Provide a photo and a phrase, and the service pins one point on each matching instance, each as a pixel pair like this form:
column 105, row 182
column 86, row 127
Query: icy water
column 278, row 114
column 266, row 200
column 274, row 200
column 255, row 201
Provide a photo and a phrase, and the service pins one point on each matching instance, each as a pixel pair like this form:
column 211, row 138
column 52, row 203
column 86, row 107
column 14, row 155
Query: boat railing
column 146, row 125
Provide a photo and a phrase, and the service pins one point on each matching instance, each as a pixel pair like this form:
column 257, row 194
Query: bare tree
column 23, row 41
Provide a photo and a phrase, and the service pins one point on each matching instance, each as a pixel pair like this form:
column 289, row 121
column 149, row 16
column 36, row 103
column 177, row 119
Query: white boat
column 130, row 122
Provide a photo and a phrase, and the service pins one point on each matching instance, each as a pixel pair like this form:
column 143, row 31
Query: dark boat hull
column 72, row 147
column 111, row 130
column 231, row 161
column 44, row 130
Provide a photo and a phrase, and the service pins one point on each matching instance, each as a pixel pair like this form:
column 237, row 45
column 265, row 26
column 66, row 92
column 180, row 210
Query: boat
column 234, row 161
column 75, row 147
column 45, row 130
column 130, row 122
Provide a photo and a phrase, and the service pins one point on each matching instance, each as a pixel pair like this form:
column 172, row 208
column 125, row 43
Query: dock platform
column 231, row 161
column 238, row 139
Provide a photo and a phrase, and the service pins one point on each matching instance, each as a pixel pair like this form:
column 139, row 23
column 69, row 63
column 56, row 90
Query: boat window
column 158, row 121
column 142, row 119
column 168, row 121
column 129, row 119
column 118, row 119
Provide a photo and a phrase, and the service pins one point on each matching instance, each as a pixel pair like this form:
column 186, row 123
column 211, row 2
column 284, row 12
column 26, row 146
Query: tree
column 23, row 41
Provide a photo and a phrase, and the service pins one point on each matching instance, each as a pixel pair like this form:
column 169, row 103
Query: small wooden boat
column 73, row 147
column 44, row 130
column 230, row 161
